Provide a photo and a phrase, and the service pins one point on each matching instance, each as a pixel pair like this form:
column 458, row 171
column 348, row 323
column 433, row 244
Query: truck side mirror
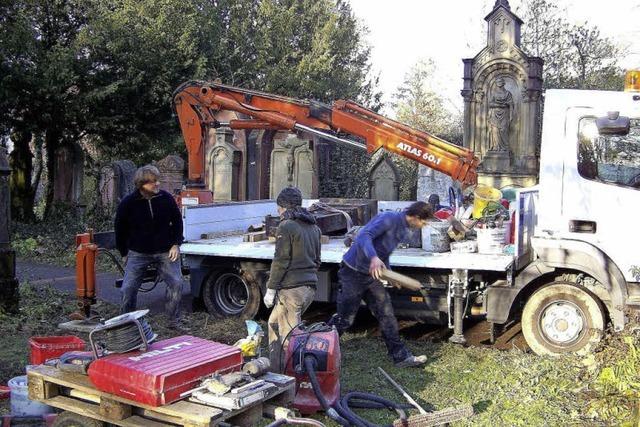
column 613, row 124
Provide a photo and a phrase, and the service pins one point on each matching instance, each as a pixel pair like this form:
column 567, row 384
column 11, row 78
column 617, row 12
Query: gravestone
column 68, row 174
column 116, row 182
column 431, row 182
column 384, row 180
column 292, row 164
column 240, row 143
column 502, row 104
column 171, row 173
column 224, row 160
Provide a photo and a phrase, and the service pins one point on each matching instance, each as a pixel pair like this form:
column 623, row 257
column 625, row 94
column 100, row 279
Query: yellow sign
column 632, row 81
column 417, row 299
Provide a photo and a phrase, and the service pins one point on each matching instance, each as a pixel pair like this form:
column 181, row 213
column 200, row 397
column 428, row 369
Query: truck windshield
column 612, row 159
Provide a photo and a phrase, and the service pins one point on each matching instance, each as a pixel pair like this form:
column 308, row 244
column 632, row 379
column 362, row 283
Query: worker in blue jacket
column 148, row 228
column 359, row 276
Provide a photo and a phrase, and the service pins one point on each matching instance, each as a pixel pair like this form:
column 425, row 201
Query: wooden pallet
column 75, row 393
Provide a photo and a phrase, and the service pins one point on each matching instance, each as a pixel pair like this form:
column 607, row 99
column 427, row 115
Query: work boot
column 411, row 361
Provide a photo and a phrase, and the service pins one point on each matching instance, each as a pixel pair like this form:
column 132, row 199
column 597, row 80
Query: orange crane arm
column 197, row 102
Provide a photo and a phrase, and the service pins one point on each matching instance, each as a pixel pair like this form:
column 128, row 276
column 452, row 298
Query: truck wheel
column 562, row 318
column 228, row 294
column 71, row 419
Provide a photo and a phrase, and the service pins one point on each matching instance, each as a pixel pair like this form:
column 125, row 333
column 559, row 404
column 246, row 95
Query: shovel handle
column 401, row 390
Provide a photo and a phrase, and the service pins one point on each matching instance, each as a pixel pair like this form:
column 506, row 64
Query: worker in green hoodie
column 294, row 271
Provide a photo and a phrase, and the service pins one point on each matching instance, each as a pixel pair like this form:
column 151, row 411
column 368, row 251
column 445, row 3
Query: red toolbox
column 168, row 368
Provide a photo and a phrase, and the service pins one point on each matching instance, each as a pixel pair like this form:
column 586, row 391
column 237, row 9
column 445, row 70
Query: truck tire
column 226, row 293
column 71, row 419
column 562, row 318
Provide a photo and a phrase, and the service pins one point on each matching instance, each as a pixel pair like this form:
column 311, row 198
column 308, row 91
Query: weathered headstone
column 116, row 181
column 224, row 160
column 171, row 173
column 292, row 164
column 9, row 297
column 502, row 88
column 433, row 182
column 68, row 174
column 384, row 180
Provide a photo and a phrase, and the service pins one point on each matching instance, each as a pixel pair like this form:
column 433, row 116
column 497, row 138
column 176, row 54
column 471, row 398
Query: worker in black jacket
column 148, row 228
column 294, row 271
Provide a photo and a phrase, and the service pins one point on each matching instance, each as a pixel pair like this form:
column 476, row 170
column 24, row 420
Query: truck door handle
column 580, row 226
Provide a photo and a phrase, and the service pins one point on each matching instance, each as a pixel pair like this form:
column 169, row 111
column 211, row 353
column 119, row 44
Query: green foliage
column 103, row 73
column 52, row 240
column 575, row 56
column 24, row 247
column 617, row 382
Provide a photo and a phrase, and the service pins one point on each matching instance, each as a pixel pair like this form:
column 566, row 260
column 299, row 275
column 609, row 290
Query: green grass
column 506, row 388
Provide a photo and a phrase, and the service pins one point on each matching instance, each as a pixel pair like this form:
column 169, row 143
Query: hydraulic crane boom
column 196, row 103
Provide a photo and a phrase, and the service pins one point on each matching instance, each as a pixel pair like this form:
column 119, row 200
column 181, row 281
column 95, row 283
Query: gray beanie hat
column 289, row 197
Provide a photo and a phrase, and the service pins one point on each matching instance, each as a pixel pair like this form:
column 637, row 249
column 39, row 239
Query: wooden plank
column 92, row 411
column 114, row 410
column 248, row 417
column 254, row 236
column 187, row 411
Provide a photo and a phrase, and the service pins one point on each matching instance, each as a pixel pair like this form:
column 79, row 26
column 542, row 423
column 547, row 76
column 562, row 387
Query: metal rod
column 401, row 390
column 328, row 136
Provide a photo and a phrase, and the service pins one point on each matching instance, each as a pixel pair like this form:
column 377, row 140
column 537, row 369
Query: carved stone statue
column 291, row 143
column 500, row 116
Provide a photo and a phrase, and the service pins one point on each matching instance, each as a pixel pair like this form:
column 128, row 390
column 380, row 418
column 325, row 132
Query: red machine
column 323, row 347
column 168, row 368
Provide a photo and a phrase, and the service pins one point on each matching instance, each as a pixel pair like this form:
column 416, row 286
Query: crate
column 45, row 348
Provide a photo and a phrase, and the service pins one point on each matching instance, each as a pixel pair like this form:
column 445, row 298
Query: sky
column 402, row 32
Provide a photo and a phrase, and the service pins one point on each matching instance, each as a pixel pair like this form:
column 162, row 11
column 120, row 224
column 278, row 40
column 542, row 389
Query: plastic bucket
column 492, row 240
column 45, row 348
column 21, row 405
column 435, row 237
column 482, row 196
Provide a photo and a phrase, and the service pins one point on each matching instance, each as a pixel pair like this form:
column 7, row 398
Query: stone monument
column 502, row 104
column 69, row 174
column 384, row 180
column 9, row 296
column 224, row 160
column 292, row 164
column 116, row 182
column 171, row 173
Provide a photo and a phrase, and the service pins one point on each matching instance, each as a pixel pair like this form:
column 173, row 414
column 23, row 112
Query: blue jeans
column 168, row 271
column 355, row 287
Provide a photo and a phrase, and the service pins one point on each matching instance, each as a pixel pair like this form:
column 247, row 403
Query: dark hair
column 289, row 197
column 422, row 210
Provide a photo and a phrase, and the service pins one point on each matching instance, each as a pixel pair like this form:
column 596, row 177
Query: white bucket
column 21, row 405
column 492, row 240
column 435, row 237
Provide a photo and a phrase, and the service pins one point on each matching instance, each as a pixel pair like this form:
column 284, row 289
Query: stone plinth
column 496, row 161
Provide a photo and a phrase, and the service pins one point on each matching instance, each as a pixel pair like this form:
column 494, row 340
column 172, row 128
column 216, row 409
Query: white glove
column 269, row 297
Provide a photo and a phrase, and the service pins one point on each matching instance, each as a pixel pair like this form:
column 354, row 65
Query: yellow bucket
column 482, row 196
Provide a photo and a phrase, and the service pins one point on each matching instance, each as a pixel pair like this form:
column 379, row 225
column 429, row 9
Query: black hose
column 310, row 367
column 341, row 411
column 127, row 337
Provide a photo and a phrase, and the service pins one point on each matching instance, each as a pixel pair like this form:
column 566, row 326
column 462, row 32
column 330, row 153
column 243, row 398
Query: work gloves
column 269, row 297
